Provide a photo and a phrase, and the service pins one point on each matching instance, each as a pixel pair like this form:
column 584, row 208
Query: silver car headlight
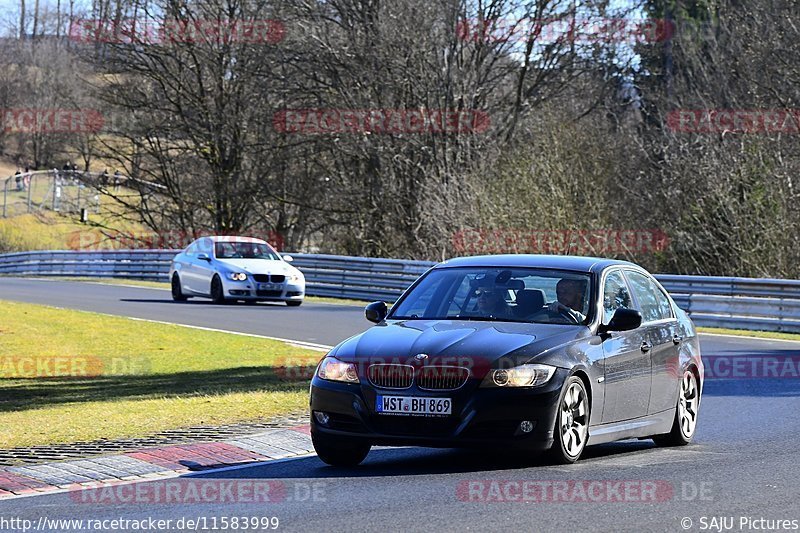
column 334, row 370
column 531, row 375
column 295, row 278
column 237, row 276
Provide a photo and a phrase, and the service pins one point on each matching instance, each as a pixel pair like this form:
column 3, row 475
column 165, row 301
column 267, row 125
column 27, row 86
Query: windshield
column 244, row 250
column 502, row 294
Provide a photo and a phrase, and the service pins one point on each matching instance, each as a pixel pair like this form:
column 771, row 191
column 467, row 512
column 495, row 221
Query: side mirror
column 204, row 257
column 622, row 320
column 288, row 258
column 376, row 312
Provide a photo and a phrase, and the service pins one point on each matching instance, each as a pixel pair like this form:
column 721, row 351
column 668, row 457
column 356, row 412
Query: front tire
column 294, row 303
column 217, row 293
column 339, row 451
column 571, row 431
column 685, row 423
column 177, row 293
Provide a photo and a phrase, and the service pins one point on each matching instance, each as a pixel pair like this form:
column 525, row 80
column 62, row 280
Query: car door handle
column 646, row 346
column 676, row 339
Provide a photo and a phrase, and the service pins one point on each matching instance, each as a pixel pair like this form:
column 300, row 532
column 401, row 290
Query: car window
column 192, row 249
column 461, row 294
column 615, row 295
column 505, row 294
column 204, row 245
column 654, row 304
column 244, row 250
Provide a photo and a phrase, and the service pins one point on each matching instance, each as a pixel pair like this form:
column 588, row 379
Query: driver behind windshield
column 570, row 294
column 248, row 250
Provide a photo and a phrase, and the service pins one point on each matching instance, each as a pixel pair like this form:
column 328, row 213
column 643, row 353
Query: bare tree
column 21, row 19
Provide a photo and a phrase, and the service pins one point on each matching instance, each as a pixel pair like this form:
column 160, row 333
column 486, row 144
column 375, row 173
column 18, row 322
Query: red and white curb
column 155, row 463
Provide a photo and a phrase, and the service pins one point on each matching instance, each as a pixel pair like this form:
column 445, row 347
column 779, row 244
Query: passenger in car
column 491, row 301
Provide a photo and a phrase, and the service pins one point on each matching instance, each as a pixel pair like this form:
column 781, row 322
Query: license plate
column 268, row 286
column 411, row 405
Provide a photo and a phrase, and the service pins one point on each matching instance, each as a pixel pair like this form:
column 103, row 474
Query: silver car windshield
column 502, row 294
column 244, row 250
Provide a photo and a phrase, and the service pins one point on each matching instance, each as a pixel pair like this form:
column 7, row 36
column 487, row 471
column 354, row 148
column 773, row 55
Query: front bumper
column 247, row 290
column 481, row 417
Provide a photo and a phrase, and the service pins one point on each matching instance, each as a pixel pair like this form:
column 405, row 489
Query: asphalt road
column 318, row 323
column 742, row 466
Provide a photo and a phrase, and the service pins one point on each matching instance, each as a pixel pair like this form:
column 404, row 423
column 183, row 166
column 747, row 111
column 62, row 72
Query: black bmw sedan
column 513, row 352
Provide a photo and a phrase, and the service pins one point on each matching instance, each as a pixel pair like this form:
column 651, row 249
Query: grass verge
column 748, row 333
column 69, row 376
column 45, row 230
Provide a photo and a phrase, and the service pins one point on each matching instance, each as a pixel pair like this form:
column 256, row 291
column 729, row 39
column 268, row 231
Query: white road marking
column 345, row 302
column 292, row 342
column 300, row 344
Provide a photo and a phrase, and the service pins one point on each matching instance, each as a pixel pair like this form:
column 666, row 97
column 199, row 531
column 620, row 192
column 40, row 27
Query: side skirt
column 646, row 426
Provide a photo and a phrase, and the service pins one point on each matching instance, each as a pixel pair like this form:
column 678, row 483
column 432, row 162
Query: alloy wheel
column 574, row 423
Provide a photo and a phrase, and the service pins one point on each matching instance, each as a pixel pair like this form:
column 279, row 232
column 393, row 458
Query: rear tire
column 571, row 431
column 685, row 422
column 339, row 451
column 217, row 293
column 177, row 293
column 294, row 303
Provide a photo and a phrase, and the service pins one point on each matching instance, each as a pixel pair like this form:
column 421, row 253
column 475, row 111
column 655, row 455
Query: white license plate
column 269, row 286
column 413, row 405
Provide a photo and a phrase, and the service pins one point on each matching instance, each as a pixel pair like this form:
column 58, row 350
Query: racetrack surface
column 312, row 322
column 742, row 464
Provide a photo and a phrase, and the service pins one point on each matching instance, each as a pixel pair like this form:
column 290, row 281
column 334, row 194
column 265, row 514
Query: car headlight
column 294, row 278
column 237, row 276
column 531, row 375
column 334, row 370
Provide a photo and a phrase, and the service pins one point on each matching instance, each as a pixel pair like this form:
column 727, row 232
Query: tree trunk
column 35, row 17
column 21, row 19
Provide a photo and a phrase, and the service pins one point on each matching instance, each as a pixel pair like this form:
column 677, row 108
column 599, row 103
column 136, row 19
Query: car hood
column 451, row 341
column 258, row 266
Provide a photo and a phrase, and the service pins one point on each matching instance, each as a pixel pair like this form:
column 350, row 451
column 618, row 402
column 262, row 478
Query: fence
column 65, row 191
column 741, row 303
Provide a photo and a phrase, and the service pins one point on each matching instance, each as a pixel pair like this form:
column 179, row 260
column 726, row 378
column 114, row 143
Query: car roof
column 232, row 238
column 560, row 262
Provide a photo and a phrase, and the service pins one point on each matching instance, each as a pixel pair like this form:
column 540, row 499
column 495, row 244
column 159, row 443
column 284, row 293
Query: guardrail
column 740, row 303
